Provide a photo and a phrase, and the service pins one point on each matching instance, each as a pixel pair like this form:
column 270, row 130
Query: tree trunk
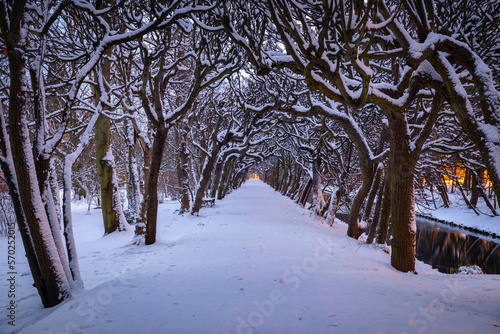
column 441, row 186
column 56, row 228
column 69, row 161
column 112, row 215
column 183, row 172
column 228, row 178
column 467, row 180
column 354, row 230
column 43, row 170
column 480, row 191
column 152, row 187
column 403, row 222
column 224, row 178
column 317, row 189
column 7, row 166
column 112, row 212
column 378, row 175
column 293, row 180
column 385, row 210
column 285, row 176
column 464, row 196
column 305, row 192
column 474, row 192
column 217, row 177
column 133, row 187
column 244, row 176
column 235, row 180
column 373, row 192
column 205, row 177
column 54, row 189
column 68, row 226
column 140, row 228
column 276, row 175
column 54, row 281
column 332, row 210
column 376, row 216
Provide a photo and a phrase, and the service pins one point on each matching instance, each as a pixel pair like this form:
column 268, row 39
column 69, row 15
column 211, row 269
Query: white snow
column 254, row 263
column 461, row 216
column 470, row 270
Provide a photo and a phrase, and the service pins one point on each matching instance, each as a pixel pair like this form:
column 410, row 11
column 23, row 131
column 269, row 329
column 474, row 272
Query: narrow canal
column 447, row 248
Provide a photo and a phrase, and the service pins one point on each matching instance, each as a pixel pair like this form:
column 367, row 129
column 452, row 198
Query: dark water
column 447, row 248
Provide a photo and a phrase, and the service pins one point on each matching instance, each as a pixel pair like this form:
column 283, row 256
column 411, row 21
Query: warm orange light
column 459, row 172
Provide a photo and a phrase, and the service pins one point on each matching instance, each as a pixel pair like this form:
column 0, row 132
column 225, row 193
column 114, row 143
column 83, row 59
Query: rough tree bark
column 217, row 177
column 317, row 189
column 183, row 168
column 204, row 179
column 112, row 214
column 133, row 187
column 385, row 210
column 55, row 286
column 7, row 166
column 152, row 189
column 403, row 222
column 376, row 216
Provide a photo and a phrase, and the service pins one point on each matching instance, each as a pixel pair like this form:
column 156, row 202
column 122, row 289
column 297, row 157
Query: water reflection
column 447, row 248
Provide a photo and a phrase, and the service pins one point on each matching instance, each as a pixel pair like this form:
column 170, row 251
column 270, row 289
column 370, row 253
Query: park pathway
column 258, row 263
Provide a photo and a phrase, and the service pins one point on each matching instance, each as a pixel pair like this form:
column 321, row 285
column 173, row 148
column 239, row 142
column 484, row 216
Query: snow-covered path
column 255, row 263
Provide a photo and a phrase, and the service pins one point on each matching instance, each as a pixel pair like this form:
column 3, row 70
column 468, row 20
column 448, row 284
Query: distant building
column 254, row 176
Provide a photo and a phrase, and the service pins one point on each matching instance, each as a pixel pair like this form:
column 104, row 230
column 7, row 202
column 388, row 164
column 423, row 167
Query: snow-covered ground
column 254, row 263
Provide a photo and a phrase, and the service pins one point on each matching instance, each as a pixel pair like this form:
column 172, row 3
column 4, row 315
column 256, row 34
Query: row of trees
column 361, row 100
column 411, row 62
column 77, row 74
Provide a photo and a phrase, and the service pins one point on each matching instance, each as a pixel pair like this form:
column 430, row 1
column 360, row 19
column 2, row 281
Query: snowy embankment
column 254, row 263
column 459, row 215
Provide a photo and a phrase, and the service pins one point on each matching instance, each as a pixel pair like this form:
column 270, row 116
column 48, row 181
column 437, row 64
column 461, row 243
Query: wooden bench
column 208, row 202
